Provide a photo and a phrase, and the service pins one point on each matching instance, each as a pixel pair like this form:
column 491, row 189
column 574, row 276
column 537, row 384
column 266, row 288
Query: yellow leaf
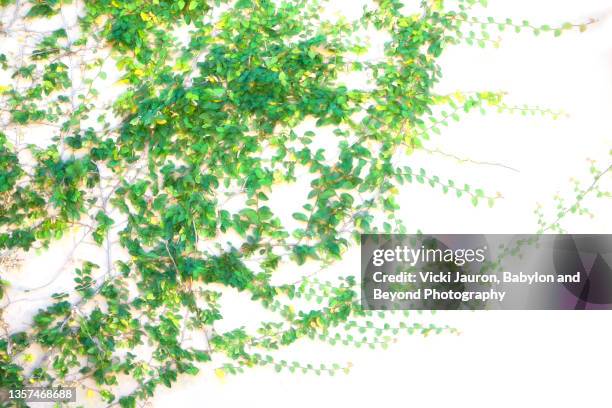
column 460, row 98
column 437, row 5
column 90, row 393
column 316, row 323
column 220, row 374
column 323, row 51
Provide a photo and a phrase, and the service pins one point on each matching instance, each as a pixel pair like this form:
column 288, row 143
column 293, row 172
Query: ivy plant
column 174, row 176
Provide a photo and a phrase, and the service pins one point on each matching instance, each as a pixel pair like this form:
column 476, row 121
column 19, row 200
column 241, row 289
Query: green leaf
column 300, row 217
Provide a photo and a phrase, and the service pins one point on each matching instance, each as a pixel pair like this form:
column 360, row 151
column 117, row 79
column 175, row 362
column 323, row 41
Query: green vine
column 214, row 105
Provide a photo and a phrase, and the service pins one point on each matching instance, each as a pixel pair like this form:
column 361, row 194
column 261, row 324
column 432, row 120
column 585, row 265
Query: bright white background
column 501, row 359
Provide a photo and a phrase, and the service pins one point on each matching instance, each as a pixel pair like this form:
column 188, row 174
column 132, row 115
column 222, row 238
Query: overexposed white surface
column 501, row 359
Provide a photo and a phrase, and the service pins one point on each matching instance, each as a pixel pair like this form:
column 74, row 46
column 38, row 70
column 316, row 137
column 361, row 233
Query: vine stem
column 580, row 197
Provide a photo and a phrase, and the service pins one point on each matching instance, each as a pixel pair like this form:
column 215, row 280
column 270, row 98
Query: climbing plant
column 162, row 130
column 584, row 195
